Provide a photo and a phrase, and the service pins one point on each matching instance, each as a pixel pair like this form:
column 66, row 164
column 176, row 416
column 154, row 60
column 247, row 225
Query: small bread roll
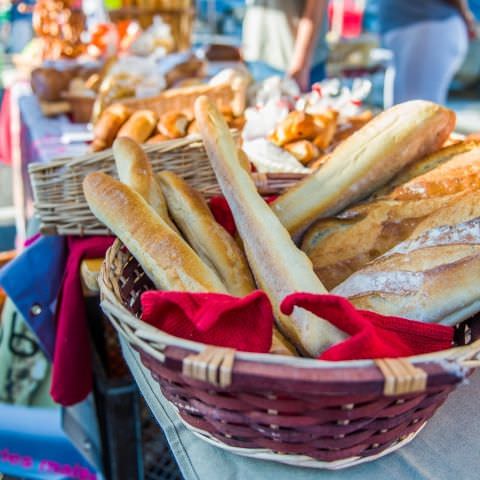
column 108, row 125
column 135, row 170
column 192, row 127
column 173, row 125
column 139, row 126
column 303, row 150
column 210, row 240
column 327, row 123
column 296, row 126
column 166, row 258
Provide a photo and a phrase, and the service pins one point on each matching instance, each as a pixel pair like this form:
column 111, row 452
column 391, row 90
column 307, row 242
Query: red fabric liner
column 5, row 134
column 72, row 366
column 242, row 323
column 246, row 324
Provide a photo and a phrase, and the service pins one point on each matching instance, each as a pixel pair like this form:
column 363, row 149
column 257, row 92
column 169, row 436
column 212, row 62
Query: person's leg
column 426, row 56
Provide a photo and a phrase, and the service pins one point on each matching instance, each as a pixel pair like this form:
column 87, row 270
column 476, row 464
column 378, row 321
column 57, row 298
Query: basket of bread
column 260, row 344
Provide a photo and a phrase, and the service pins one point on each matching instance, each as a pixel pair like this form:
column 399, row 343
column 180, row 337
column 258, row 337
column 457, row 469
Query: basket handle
column 213, row 365
column 401, row 377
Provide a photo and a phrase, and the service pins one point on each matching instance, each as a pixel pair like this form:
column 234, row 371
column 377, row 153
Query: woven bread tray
column 292, row 410
column 57, row 186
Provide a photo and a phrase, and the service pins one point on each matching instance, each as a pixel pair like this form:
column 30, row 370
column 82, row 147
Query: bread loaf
column 211, row 241
column 426, row 164
column 135, row 170
column 165, row 257
column 461, row 173
column 431, row 278
column 342, row 245
column 365, row 161
column 108, row 125
column 278, row 266
column 139, row 126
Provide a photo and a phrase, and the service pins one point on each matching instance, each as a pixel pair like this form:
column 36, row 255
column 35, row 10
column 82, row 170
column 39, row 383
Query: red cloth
column 241, row 323
column 5, row 134
column 72, row 368
column 223, row 215
column 371, row 335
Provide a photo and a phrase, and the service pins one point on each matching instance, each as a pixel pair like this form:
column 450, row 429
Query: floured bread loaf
column 432, row 278
column 342, row 245
column 365, row 161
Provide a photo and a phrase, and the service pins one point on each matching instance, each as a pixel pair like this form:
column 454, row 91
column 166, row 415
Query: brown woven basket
column 57, row 186
column 293, row 410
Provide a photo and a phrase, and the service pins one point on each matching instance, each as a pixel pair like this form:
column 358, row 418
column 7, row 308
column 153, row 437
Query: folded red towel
column 72, row 367
column 371, row 335
column 246, row 324
column 216, row 319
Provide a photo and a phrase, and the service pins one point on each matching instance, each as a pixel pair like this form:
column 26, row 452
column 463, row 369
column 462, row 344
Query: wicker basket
column 57, row 186
column 292, row 410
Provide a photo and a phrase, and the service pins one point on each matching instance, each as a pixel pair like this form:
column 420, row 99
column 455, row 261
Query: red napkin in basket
column 241, row 323
column 371, row 335
column 246, row 324
column 72, row 368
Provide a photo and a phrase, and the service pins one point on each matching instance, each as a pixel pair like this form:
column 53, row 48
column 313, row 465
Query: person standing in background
column 429, row 40
column 286, row 37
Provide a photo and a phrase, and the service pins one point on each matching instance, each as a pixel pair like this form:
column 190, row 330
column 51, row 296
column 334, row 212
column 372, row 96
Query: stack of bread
column 410, row 250
column 145, row 126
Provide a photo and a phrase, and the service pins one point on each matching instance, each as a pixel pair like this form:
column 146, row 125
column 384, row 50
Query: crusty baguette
column 211, row 241
column 461, row 173
column 426, row 164
column 366, row 161
column 135, row 170
column 278, row 266
column 340, row 246
column 281, row 346
column 166, row 258
column 139, row 126
column 431, row 278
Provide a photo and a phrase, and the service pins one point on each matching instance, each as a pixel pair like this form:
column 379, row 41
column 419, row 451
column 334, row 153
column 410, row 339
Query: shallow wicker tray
column 292, row 410
column 57, row 186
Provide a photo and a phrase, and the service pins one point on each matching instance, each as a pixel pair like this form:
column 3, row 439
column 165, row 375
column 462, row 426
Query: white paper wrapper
column 268, row 158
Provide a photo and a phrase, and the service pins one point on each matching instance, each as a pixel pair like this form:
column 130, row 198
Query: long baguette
column 426, row 164
column 135, row 170
column 366, row 161
column 166, row 258
column 431, row 278
column 211, row 241
column 279, row 267
column 459, row 174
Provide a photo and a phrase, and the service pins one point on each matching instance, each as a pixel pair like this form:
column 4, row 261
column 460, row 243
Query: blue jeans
column 260, row 71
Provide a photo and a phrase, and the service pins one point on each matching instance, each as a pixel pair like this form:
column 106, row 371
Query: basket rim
column 145, row 333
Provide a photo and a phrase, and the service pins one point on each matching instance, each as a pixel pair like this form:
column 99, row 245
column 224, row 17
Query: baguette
column 365, row 161
column 211, row 241
column 278, row 266
column 427, row 164
column 461, row 173
column 431, row 278
column 139, row 126
column 340, row 246
column 165, row 257
column 135, row 170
